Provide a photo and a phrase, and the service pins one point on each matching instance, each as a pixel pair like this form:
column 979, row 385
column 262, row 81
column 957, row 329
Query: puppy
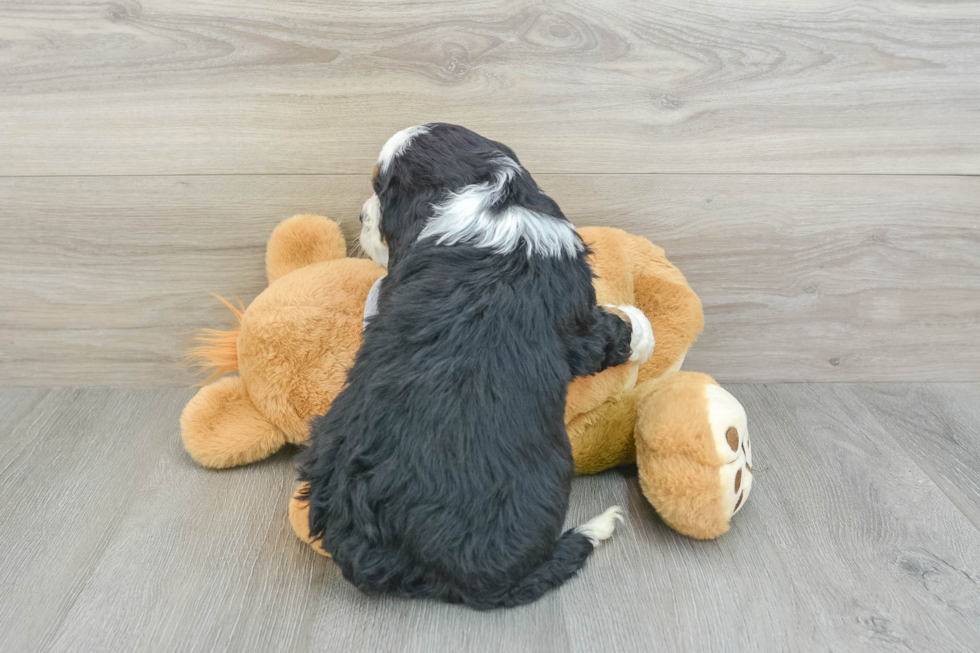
column 443, row 468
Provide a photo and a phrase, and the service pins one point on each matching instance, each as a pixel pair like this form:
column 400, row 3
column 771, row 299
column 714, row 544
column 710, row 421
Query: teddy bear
column 295, row 341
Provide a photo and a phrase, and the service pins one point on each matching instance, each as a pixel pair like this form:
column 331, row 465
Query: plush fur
column 224, row 428
column 443, row 468
column 693, row 471
column 301, row 241
column 242, row 419
column 608, row 416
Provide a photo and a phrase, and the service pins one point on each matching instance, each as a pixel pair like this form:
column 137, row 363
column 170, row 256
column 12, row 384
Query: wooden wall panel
column 579, row 86
column 802, row 277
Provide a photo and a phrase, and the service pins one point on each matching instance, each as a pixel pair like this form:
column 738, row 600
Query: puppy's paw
column 642, row 341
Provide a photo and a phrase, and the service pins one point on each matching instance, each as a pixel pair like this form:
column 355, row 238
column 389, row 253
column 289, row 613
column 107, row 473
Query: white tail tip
column 601, row 528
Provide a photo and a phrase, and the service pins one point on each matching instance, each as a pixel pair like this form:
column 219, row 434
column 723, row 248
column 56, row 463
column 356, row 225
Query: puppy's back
column 446, row 461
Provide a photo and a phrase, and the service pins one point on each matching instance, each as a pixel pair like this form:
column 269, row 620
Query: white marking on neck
column 467, row 217
column 398, row 144
column 371, row 241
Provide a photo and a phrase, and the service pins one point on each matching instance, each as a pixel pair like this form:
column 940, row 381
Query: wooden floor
column 862, row 533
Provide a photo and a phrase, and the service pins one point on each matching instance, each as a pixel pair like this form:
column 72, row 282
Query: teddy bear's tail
column 216, row 352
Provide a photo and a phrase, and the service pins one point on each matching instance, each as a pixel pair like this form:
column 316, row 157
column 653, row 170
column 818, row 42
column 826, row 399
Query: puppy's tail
column 571, row 551
column 216, row 352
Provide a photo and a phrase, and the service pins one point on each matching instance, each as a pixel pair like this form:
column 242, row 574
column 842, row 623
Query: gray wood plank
column 164, row 87
column 844, row 545
column 115, row 540
column 650, row 589
column 830, row 278
column 16, row 404
column 937, row 424
column 812, row 278
column 71, row 468
column 880, row 556
column 110, row 275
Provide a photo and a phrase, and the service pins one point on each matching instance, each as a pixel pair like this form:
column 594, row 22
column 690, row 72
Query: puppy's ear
column 404, row 213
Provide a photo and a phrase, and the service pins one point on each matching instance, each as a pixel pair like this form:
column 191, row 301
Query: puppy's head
column 449, row 182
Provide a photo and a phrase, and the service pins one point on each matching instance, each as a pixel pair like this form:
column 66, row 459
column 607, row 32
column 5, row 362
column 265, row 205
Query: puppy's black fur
column 443, row 468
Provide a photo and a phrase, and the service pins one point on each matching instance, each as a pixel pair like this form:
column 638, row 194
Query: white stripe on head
column 467, row 217
column 398, row 144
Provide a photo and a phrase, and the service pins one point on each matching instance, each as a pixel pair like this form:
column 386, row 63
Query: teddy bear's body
column 297, row 339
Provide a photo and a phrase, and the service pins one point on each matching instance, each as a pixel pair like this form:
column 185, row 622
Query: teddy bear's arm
column 604, row 341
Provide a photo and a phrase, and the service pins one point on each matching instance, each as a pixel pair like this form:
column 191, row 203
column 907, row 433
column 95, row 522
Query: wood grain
column 872, row 545
column 827, row 278
column 72, row 464
column 114, row 539
column 937, row 425
column 167, row 87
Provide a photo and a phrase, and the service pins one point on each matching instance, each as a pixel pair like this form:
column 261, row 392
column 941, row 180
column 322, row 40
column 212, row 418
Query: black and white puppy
column 443, row 468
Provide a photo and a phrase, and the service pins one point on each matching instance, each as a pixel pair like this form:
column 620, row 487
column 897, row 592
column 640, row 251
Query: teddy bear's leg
column 674, row 309
column 693, row 452
column 603, row 437
column 222, row 428
column 300, row 241
column 299, row 518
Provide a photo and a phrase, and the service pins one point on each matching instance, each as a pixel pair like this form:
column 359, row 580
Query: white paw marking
column 729, row 428
column 601, row 528
column 642, row 341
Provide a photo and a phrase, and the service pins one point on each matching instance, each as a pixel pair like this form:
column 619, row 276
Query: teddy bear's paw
column 221, row 426
column 693, row 453
column 731, row 438
column 642, row 340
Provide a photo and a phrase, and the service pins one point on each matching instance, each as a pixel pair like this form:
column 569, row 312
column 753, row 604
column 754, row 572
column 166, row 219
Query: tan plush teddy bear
column 296, row 340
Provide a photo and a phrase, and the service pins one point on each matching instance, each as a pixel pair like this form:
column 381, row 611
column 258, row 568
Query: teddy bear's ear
column 221, row 427
column 300, row 241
